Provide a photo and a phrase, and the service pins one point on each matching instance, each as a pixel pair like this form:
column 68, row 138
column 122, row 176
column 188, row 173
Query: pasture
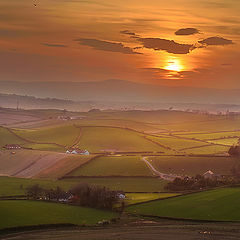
column 221, row 205
column 101, row 139
column 11, row 186
column 64, row 135
column 32, row 213
column 192, row 165
column 134, row 198
column 114, row 166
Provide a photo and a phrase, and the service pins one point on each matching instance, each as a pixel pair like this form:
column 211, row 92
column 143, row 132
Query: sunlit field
column 221, row 205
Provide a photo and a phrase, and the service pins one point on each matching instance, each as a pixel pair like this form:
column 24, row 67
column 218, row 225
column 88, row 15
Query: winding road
column 165, row 176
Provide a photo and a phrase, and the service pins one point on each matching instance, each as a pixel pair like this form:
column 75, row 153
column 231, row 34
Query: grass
column 45, row 147
column 176, row 143
column 226, row 141
column 185, row 165
column 64, row 166
column 64, row 135
column 133, row 198
column 220, row 204
column 114, row 166
column 211, row 149
column 8, row 138
column 97, row 139
column 30, row 213
column 11, row 186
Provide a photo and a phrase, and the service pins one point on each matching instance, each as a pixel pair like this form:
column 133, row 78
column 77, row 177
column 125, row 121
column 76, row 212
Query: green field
column 185, row 165
column 64, row 135
column 114, row 166
column 226, row 141
column 208, row 149
column 221, row 204
column 97, row 139
column 32, row 213
column 8, row 138
column 10, row 186
column 134, row 198
column 175, row 143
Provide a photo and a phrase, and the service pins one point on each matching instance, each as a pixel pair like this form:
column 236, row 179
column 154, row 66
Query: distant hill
column 121, row 91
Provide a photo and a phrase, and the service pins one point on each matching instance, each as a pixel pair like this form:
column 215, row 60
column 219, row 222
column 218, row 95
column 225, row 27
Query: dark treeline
column 199, row 182
column 81, row 194
column 94, row 196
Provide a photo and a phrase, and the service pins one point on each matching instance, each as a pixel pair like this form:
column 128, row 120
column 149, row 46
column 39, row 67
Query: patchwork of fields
column 173, row 142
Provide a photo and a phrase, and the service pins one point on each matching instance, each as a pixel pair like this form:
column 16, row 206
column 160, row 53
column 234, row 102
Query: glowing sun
column 174, row 65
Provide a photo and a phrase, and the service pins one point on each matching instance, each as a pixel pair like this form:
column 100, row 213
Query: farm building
column 210, row 175
column 77, row 151
column 12, row 146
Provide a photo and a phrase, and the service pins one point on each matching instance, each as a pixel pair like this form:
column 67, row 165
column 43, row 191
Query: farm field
column 6, row 137
column 11, row 186
column 193, row 165
column 134, row 198
column 97, row 139
column 209, row 135
column 208, row 150
column 63, row 135
column 64, row 166
column 229, row 141
column 30, row 213
column 114, row 166
column 176, row 143
column 27, row 163
column 221, row 204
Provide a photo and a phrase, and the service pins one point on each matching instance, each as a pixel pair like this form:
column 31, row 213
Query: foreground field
column 138, row 229
column 221, row 205
column 30, row 213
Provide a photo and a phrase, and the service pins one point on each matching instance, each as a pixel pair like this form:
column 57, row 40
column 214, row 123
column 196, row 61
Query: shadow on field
column 137, row 229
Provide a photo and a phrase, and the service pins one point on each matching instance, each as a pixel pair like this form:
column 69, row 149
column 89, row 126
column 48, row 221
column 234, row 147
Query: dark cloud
column 53, row 45
column 169, row 46
column 127, row 32
column 215, row 41
column 106, row 46
column 186, row 31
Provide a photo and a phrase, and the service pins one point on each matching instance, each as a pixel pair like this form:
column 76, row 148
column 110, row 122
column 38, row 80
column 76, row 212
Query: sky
column 174, row 43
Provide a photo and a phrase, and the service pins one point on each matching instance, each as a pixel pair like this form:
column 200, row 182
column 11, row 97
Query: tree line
column 81, row 194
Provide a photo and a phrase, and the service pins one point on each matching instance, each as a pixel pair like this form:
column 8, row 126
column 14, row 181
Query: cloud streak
column 106, row 46
column 186, row 31
column 215, row 41
column 54, row 45
column 169, row 46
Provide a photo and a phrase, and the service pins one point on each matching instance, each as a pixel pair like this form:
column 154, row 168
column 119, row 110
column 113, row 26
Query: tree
column 34, row 191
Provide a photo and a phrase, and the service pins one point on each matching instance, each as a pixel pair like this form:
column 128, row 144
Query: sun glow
column 174, row 65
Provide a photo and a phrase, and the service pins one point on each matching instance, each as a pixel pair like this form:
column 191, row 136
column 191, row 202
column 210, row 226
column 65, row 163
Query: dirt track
column 139, row 230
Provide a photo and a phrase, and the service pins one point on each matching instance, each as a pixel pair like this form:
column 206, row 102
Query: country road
column 165, row 176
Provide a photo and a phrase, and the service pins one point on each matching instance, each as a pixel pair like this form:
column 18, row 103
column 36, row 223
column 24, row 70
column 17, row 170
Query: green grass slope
column 97, row 139
column 222, row 204
column 30, row 213
column 114, row 166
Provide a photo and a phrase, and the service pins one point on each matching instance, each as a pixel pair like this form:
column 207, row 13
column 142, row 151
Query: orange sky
column 174, row 42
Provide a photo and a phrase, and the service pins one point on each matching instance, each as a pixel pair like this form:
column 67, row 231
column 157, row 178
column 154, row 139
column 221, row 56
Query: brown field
column 27, row 163
column 64, row 167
